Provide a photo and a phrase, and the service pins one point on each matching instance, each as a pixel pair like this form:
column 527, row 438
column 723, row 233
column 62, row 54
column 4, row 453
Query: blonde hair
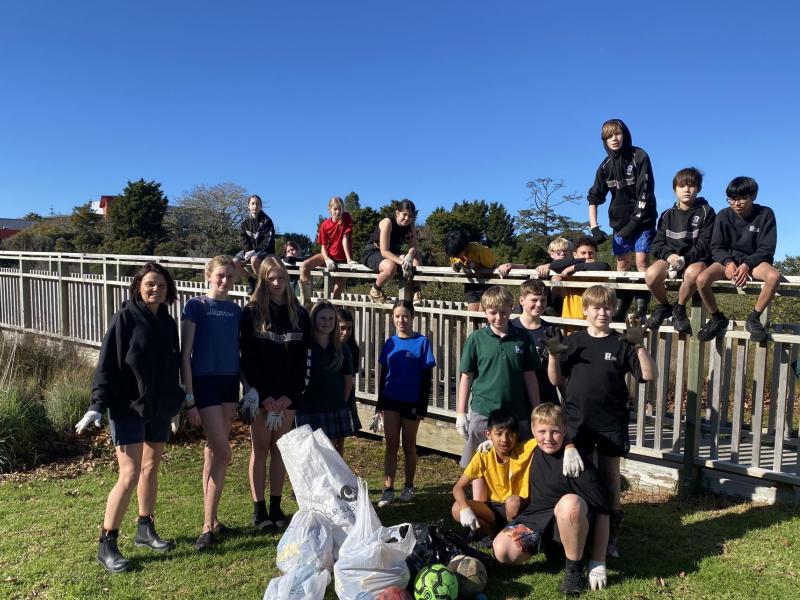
column 260, row 298
column 599, row 295
column 334, row 335
column 548, row 414
column 336, row 200
column 496, row 297
column 220, row 260
column 611, row 127
column 559, row 243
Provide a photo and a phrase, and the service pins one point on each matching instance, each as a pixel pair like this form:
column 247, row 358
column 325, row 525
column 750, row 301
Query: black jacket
column 579, row 263
column 686, row 233
column 750, row 241
column 275, row 362
column 628, row 175
column 258, row 234
column 137, row 373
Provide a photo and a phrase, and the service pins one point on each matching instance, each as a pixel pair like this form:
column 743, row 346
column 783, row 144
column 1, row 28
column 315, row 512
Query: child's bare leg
column 654, row 277
column 310, row 263
column 771, row 277
column 689, row 285
column 641, row 261
column 609, row 473
column 573, row 525
column 713, row 273
column 624, row 262
column 409, row 429
column 514, row 505
column 255, row 263
column 488, row 525
column 386, row 270
column 339, row 285
column 391, row 429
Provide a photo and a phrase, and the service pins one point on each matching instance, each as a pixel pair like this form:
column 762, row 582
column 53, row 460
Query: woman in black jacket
column 136, row 381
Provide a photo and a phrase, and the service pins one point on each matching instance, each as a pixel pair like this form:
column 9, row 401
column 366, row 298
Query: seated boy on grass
column 561, row 510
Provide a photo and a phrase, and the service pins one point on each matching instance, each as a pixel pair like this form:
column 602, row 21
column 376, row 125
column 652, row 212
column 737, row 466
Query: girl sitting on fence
column 136, row 381
column 210, row 370
column 404, row 385
column 329, row 379
column 274, row 336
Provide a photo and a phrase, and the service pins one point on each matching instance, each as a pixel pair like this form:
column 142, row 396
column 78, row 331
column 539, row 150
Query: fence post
column 26, row 313
column 63, row 298
column 690, row 477
column 108, row 295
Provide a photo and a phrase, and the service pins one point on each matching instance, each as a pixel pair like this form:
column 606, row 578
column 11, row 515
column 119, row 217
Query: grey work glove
column 91, row 416
column 376, row 423
column 634, row 333
column 274, row 420
column 555, row 343
column 462, row 425
column 330, row 264
column 408, row 266
column 175, row 423
column 675, row 268
column 249, row 406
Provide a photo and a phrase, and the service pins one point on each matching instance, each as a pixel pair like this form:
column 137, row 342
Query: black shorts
column 607, row 443
column 499, row 511
column 473, row 292
column 407, row 410
column 531, row 540
column 133, row 430
column 372, row 258
column 215, row 390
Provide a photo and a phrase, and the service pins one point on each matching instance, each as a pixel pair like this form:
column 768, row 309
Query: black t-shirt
column 597, row 395
column 549, row 485
column 547, row 391
column 325, row 388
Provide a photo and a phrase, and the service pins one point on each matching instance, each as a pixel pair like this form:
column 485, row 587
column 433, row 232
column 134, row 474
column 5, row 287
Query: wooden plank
column 738, row 398
column 725, row 388
column 779, row 399
column 716, row 348
column 677, row 412
column 661, row 386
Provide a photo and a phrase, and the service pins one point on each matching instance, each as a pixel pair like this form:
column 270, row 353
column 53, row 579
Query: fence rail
column 728, row 405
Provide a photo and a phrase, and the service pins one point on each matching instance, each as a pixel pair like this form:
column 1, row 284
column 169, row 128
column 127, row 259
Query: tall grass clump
column 23, row 426
column 67, row 397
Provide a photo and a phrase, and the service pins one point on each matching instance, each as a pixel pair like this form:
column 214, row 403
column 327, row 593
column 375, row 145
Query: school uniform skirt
column 335, row 423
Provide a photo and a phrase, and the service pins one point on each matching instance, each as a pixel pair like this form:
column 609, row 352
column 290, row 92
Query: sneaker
column 574, row 582
column 262, row 522
column 680, row 322
column 278, row 517
column 713, row 327
column 756, row 330
column 221, row 529
column 386, row 498
column 204, row 542
column 377, row 296
column 408, row 493
column 417, row 299
column 661, row 312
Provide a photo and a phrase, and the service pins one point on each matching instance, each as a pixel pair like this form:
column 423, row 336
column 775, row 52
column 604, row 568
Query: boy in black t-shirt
column 742, row 246
column 594, row 363
column 561, row 509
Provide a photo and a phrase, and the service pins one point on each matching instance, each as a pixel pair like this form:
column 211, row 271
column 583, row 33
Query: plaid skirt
column 335, row 423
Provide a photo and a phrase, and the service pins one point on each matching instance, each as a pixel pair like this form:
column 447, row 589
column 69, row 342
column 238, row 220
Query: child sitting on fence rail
column 257, row 233
column 742, row 246
column 594, row 363
column 682, row 247
column 470, row 258
column 584, row 258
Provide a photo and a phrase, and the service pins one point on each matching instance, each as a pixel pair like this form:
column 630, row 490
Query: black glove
column 634, row 332
column 598, row 235
column 554, row 342
column 627, row 231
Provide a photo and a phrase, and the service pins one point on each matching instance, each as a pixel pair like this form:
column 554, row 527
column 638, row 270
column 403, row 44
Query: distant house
column 9, row 227
column 100, row 207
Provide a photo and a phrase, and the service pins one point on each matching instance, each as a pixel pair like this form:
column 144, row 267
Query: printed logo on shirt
column 629, row 170
column 696, row 221
column 754, row 229
column 609, row 356
column 518, row 349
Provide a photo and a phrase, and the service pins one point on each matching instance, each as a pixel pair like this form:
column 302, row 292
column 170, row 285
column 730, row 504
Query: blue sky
column 438, row 101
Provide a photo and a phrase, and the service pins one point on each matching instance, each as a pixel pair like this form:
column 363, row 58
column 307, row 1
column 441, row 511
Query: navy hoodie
column 258, row 233
column 628, row 175
column 686, row 233
column 750, row 240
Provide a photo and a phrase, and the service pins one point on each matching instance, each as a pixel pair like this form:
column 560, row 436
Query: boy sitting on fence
column 594, row 363
column 472, row 259
column 742, row 247
column 584, row 258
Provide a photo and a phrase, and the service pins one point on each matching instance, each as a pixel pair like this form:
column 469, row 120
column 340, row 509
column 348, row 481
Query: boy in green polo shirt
column 498, row 367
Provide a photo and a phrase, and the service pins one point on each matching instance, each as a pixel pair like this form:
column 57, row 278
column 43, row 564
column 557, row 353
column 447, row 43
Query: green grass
column 705, row 548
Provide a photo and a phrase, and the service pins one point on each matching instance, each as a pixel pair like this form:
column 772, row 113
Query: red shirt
column 331, row 235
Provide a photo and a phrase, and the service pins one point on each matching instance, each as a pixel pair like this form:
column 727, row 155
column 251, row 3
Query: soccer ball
column 471, row 575
column 393, row 593
column 435, row 582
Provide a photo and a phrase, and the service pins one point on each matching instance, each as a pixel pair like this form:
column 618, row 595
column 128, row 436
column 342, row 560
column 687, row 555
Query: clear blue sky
column 438, row 101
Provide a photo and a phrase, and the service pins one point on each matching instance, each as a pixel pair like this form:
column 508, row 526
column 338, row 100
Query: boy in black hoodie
column 257, row 233
column 682, row 247
column 628, row 175
column 742, row 246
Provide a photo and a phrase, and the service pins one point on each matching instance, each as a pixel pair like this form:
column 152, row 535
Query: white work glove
column 408, row 266
column 274, row 420
column 675, row 267
column 485, row 447
column 376, row 423
column 249, row 406
column 353, row 262
column 598, row 578
column 573, row 464
column 175, row 424
column 91, row 416
column 468, row 518
column 330, row 264
column 462, row 425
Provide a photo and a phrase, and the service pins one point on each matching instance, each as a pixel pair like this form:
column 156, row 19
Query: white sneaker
column 408, row 493
column 386, row 498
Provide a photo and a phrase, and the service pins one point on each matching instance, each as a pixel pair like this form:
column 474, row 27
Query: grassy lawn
column 49, row 525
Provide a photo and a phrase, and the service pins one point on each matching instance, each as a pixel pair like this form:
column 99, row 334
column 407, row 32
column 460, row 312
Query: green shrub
column 67, row 397
column 23, row 427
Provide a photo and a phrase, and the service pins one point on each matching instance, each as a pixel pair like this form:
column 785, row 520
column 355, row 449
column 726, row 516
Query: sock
column 112, row 533
column 274, row 503
column 717, row 315
column 408, row 485
column 259, row 507
column 389, row 489
column 754, row 315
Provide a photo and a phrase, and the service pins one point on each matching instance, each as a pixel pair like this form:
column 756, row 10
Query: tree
column 33, row 216
column 138, row 213
column 87, row 227
column 365, row 220
column 789, row 265
column 352, row 202
column 541, row 221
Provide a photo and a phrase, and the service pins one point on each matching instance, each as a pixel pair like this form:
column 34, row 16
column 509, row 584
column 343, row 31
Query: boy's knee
column 772, row 276
column 505, row 550
column 571, row 507
column 655, row 273
column 455, row 511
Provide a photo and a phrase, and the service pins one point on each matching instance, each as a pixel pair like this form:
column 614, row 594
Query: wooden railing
column 727, row 405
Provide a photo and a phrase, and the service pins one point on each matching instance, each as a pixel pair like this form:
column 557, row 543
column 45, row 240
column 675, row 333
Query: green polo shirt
column 497, row 364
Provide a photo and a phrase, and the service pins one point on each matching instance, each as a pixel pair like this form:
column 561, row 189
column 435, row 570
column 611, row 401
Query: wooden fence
column 728, row 405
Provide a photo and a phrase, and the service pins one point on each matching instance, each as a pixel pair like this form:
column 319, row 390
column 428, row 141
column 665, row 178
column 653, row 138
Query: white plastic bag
column 307, row 541
column 321, row 480
column 301, row 583
column 372, row 557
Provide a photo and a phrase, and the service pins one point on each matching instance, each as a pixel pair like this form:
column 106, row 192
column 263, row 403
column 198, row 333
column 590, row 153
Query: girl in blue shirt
column 406, row 373
column 210, row 373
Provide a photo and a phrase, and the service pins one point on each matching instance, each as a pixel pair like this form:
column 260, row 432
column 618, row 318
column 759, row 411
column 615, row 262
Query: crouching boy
column 561, row 509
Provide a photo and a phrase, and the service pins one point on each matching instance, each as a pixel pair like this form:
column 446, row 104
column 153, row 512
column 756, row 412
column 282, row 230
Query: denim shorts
column 132, row 430
column 641, row 243
column 214, row 390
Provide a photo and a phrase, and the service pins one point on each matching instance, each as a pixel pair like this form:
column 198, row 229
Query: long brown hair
column 260, row 297
column 334, row 335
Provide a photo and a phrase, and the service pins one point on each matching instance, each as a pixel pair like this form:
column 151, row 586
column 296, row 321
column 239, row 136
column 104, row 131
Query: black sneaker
column 278, row 518
column 262, row 521
column 204, row 542
column 756, row 330
column 574, row 582
column 661, row 312
column 680, row 322
column 713, row 327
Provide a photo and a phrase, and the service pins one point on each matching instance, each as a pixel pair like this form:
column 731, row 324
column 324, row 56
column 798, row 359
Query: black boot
column 146, row 536
column 108, row 554
column 624, row 299
column 641, row 301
